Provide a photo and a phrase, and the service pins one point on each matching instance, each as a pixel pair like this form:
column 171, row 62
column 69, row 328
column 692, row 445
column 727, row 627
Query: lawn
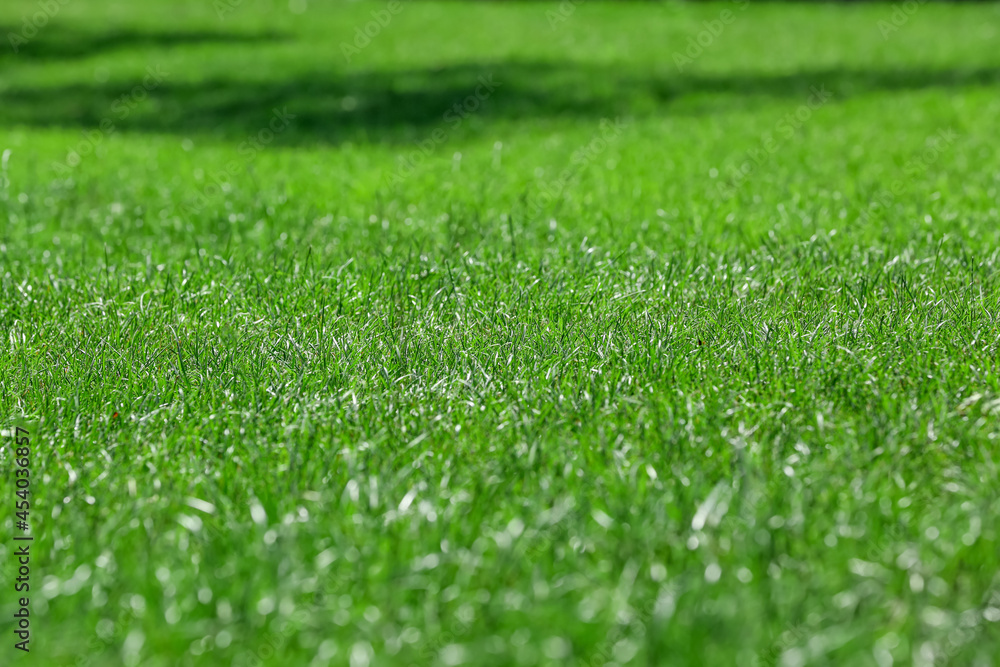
column 462, row 333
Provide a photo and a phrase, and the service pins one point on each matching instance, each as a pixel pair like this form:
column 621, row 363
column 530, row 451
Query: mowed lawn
column 636, row 334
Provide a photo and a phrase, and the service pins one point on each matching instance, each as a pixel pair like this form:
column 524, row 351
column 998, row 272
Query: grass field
column 513, row 335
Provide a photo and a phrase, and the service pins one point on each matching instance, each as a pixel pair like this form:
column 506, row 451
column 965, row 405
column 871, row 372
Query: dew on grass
column 258, row 514
column 172, row 614
column 361, row 654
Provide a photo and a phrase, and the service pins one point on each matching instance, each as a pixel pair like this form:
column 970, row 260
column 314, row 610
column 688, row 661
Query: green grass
column 568, row 391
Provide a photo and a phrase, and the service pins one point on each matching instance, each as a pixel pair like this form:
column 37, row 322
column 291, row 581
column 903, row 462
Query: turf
column 638, row 361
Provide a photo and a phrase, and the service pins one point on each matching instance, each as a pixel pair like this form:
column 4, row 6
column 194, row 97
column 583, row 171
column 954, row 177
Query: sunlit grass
column 625, row 365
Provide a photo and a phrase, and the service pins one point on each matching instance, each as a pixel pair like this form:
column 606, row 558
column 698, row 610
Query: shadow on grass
column 58, row 42
column 333, row 106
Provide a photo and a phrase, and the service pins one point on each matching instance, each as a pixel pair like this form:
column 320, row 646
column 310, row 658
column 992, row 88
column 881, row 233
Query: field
column 461, row 333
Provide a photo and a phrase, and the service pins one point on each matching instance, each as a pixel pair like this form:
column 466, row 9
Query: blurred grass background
column 291, row 409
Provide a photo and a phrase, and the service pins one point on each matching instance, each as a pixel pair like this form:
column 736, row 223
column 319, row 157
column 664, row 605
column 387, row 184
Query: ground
column 449, row 333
